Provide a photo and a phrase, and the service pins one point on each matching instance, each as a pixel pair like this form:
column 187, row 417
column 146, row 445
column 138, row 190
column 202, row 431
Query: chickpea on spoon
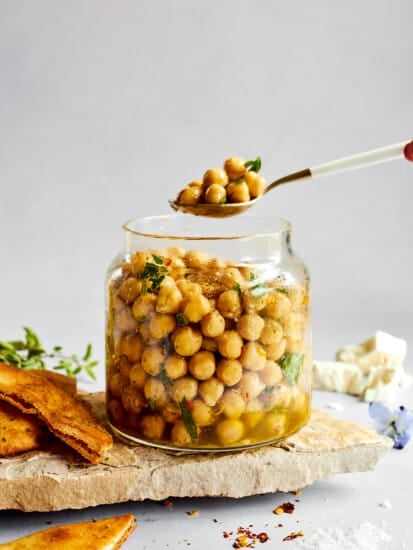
column 237, row 186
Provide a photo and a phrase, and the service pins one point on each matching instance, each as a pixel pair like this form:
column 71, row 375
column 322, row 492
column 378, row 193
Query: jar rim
column 195, row 228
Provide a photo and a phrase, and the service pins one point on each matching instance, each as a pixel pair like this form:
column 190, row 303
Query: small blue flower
column 394, row 423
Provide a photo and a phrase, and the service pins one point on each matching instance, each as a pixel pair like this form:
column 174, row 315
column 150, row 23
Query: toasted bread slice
column 104, row 534
column 18, row 431
column 65, row 416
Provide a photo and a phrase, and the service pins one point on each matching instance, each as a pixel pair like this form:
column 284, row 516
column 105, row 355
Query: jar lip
column 243, row 230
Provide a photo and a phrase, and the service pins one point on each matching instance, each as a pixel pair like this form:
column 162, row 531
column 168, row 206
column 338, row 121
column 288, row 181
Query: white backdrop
column 108, row 108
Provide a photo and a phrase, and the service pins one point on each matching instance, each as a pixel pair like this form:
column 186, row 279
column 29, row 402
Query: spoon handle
column 375, row 156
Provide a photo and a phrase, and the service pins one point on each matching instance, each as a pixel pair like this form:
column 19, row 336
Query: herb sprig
column 30, row 354
column 153, row 272
column 253, row 165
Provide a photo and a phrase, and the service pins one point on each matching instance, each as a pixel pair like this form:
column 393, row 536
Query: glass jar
column 208, row 341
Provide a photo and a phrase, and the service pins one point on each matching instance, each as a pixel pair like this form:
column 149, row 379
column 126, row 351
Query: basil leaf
column 188, row 420
column 291, row 364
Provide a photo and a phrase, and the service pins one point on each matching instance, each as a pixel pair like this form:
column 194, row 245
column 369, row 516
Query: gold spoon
column 375, row 156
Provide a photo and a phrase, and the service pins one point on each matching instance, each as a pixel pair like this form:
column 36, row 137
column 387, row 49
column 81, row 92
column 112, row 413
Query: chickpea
column 253, row 301
column 279, row 398
column 250, row 385
column 253, row 415
column 195, row 307
column 275, row 424
column 180, row 435
column 116, row 412
column 253, row 356
column 155, row 392
column 276, row 351
column 201, row 413
column 186, row 340
column 278, row 305
column 169, row 299
column 229, row 371
column 256, row 184
column 197, row 258
column 230, row 344
column 131, row 345
column 188, row 288
column 195, row 183
column 132, row 400
column 250, row 326
column 153, row 426
column 212, row 324
column 161, row 325
column 215, row 175
column 125, row 321
column 130, row 289
column 202, row 365
column 238, row 192
column 230, row 431
column 184, row 388
column 295, row 345
column 138, row 262
column 191, row 194
column 235, row 167
column 171, row 412
column 272, row 333
column 294, row 325
column 144, row 306
column 176, row 268
column 232, row 404
column 117, row 383
column 152, row 359
column 232, row 276
column 229, row 304
column 298, row 297
column 146, row 335
column 177, row 251
column 215, row 194
column 211, row 391
column 175, row 367
column 137, row 376
column 209, row 344
column 123, row 365
column 271, row 374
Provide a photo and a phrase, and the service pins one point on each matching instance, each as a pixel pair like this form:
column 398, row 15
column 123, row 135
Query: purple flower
column 394, row 423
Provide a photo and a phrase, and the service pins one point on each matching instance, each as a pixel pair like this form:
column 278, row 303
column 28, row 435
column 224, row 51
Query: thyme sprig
column 153, row 272
column 30, row 354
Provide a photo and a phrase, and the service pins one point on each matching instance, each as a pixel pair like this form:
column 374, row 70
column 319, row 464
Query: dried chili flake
column 293, row 536
column 285, row 508
column 296, row 492
column 168, row 504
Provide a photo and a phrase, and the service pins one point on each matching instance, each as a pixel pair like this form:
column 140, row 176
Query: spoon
column 375, row 156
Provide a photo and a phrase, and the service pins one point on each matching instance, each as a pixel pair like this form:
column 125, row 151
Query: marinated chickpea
column 169, row 299
column 116, row 411
column 131, row 346
column 250, row 385
column 152, row 359
column 155, row 392
column 276, row 351
column 132, row 400
column 278, row 305
column 254, row 414
column 138, row 376
column 184, row 388
column 238, row 192
column 232, row 276
column 209, row 344
column 272, row 333
column 202, row 365
column 186, row 340
column 201, row 413
column 153, row 426
column 229, row 304
column 256, row 184
column 146, row 335
column 118, row 382
column 232, row 404
column 197, row 258
column 125, row 321
column 175, row 367
column 215, row 194
column 253, row 356
column 254, row 302
column 180, row 435
column 229, row 371
column 230, row 431
column 250, row 326
column 195, row 307
column 235, row 167
column 130, row 289
column 215, row 175
column 294, row 325
column 171, row 412
column 188, row 288
column 274, row 423
column 211, row 391
column 138, row 262
column 191, row 194
column 144, row 306
column 161, row 325
column 230, row 344
column 212, row 324
column 271, row 374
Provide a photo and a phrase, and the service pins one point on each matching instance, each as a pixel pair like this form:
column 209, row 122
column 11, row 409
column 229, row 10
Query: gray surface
column 107, row 109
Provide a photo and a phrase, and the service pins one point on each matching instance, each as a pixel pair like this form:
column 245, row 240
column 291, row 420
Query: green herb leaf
column 253, row 165
column 237, row 287
column 164, row 377
column 283, row 290
column 269, row 389
column 181, row 319
column 154, row 273
column 291, row 364
column 157, row 259
column 188, row 420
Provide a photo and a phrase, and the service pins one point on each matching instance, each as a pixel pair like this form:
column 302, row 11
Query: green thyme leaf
column 158, row 260
column 154, row 273
column 181, row 319
column 237, row 287
column 283, row 290
column 188, row 420
column 164, row 377
column 291, row 364
column 253, row 165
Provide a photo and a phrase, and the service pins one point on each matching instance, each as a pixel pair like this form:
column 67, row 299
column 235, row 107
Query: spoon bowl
column 375, row 156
